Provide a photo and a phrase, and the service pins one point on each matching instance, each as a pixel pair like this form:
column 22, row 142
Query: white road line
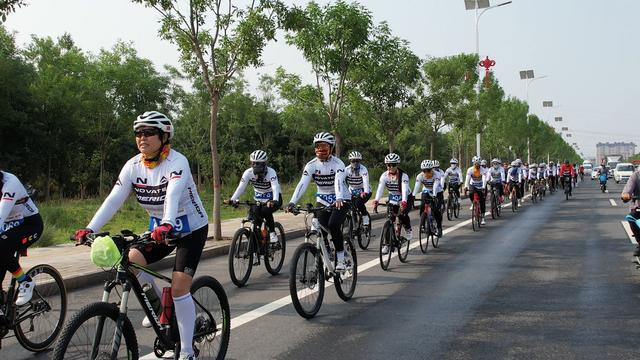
column 286, row 300
column 613, row 203
column 627, row 228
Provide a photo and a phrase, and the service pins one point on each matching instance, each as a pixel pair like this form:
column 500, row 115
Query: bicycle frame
column 322, row 241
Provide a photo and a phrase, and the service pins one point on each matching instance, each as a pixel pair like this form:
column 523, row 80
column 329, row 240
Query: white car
column 623, row 172
column 588, row 169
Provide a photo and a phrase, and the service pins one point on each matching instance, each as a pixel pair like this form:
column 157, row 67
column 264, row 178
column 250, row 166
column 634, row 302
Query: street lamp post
column 529, row 77
column 476, row 5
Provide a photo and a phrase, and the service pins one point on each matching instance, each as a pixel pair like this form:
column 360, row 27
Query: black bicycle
column 314, row 261
column 102, row 330
column 428, row 226
column 391, row 238
column 453, row 204
column 496, row 206
column 250, row 243
column 357, row 229
column 567, row 185
column 37, row 323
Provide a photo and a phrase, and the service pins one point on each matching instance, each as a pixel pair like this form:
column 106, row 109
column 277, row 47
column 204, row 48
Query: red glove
column 160, row 232
column 403, row 204
column 363, row 195
column 81, row 235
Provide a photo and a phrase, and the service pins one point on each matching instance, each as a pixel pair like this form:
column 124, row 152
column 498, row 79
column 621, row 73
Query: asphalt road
column 553, row 281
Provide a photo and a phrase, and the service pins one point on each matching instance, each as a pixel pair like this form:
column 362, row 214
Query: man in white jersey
column 552, row 172
column 431, row 183
column 454, row 176
column 327, row 171
column 496, row 178
column 476, row 183
column 161, row 179
column 514, row 177
column 397, row 182
column 357, row 178
column 532, row 178
column 20, row 226
column 266, row 190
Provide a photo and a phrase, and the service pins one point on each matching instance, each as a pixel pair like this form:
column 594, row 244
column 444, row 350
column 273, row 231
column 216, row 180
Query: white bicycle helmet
column 258, row 156
column 436, row 163
column 156, row 120
column 519, row 162
column 514, row 163
column 533, row 165
column 496, row 161
column 453, row 161
column 324, row 137
column 426, row 165
column 355, row 155
column 475, row 159
column 392, row 158
column 483, row 162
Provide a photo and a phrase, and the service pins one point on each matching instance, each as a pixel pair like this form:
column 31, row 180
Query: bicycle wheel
column 456, row 208
column 241, row 257
column 478, row 215
column 514, row 202
column 306, row 280
column 345, row 281
column 42, row 322
column 423, row 235
column 213, row 318
column 403, row 249
column 499, row 208
column 434, row 239
column 494, row 205
column 274, row 258
column 386, row 239
column 90, row 335
column 474, row 221
column 365, row 236
column 449, row 209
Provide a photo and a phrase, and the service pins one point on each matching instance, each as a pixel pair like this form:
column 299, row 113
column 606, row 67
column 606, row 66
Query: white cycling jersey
column 542, row 172
column 552, row 171
column 431, row 186
column 525, row 172
column 454, row 175
column 265, row 188
column 514, row 174
column 495, row 176
column 398, row 188
column 357, row 179
column 479, row 180
column 329, row 177
column 167, row 192
column 533, row 174
column 15, row 203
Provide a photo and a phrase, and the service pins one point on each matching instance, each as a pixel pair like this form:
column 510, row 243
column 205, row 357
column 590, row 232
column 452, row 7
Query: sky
column 585, row 48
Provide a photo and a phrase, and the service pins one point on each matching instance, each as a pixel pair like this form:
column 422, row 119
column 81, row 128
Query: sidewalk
column 78, row 271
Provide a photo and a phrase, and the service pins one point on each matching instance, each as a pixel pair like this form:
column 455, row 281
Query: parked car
column 623, row 172
column 588, row 169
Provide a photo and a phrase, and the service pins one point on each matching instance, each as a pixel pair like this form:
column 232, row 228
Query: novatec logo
column 175, row 175
column 8, row 196
column 141, row 181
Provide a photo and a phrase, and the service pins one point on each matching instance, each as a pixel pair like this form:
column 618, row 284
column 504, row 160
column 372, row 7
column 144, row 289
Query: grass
column 63, row 217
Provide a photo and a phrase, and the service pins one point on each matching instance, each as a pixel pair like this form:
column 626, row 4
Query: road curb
column 98, row 276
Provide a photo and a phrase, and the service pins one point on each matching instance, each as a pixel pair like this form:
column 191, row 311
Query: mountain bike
column 102, row 330
column 453, row 204
column 37, row 323
column 358, row 230
column 314, row 261
column 513, row 196
column 534, row 191
column 496, row 206
column 428, row 230
column 476, row 214
column 567, row 186
column 391, row 238
column 251, row 242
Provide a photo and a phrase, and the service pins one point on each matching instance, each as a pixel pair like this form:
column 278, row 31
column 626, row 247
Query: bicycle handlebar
column 127, row 238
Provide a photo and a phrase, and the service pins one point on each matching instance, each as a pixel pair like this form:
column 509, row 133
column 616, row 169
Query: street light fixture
column 476, row 5
column 558, row 118
column 528, row 76
column 547, row 104
column 565, row 129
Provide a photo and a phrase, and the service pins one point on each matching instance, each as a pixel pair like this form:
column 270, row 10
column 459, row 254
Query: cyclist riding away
column 266, row 189
column 161, row 180
column 327, row 171
column 476, row 183
column 21, row 226
column 397, row 183
column 431, row 183
column 358, row 180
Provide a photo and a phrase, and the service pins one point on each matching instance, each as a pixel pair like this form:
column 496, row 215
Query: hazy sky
column 587, row 49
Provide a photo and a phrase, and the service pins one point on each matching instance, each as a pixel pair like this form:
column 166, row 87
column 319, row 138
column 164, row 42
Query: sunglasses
column 145, row 133
column 322, row 146
column 392, row 165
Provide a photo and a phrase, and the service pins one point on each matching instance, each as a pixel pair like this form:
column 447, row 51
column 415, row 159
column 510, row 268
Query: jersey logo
column 8, row 196
column 141, row 181
column 175, row 175
column 163, row 180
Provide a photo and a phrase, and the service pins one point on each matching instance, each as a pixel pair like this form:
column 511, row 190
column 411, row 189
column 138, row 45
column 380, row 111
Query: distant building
column 626, row 150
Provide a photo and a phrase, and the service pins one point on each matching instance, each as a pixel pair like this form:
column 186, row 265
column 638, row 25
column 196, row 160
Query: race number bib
column 10, row 225
column 356, row 192
column 395, row 198
column 181, row 225
column 264, row 196
column 328, row 198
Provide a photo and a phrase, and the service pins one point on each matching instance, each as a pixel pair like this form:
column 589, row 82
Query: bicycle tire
column 449, row 209
column 41, row 288
column 494, row 205
column 204, row 324
column 301, row 253
column 499, row 208
column 282, row 250
column 456, row 209
column 365, row 238
column 96, row 310
column 474, row 221
column 514, row 202
column 423, row 234
column 338, row 279
column 386, row 238
column 403, row 249
column 434, row 240
column 237, row 256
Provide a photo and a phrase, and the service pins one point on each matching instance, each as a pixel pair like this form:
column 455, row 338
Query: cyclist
column 533, row 176
column 632, row 189
column 476, row 182
column 581, row 171
column 525, row 175
column 566, row 170
column 603, row 174
column 358, row 180
column 496, row 177
column 440, row 172
column 431, row 182
column 542, row 173
column 397, row 183
column 514, row 177
column 161, row 180
column 454, row 174
column 266, row 189
column 483, row 164
column 20, row 226
column 327, row 171
column 551, row 174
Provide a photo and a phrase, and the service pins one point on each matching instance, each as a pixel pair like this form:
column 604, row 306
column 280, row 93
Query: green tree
column 386, row 75
column 332, row 38
column 216, row 40
column 9, row 6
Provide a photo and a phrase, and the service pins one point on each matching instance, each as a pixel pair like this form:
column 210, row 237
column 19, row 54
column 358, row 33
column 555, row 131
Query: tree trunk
column 338, row 146
column 101, row 174
column 215, row 159
column 48, row 191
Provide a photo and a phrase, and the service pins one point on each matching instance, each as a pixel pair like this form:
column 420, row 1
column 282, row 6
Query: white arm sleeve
column 365, row 180
column 244, row 181
column 275, row 185
column 114, row 201
column 405, row 188
column 381, row 185
column 178, row 178
column 302, row 185
column 416, row 187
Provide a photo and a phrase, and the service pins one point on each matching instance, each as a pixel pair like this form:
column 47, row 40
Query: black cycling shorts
column 189, row 250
